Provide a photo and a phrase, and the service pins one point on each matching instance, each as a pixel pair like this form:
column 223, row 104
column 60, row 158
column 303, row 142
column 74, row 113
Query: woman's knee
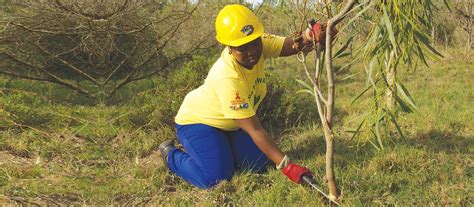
column 210, row 180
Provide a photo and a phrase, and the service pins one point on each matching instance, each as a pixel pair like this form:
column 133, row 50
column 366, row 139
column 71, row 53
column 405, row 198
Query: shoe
column 164, row 148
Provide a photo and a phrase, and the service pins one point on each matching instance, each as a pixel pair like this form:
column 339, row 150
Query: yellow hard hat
column 237, row 25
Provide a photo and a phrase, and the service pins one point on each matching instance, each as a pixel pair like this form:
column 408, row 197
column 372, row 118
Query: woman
column 216, row 122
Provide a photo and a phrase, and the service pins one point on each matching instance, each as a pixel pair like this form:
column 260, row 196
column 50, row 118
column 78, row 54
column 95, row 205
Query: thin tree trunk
column 326, row 113
column 332, row 185
column 328, row 134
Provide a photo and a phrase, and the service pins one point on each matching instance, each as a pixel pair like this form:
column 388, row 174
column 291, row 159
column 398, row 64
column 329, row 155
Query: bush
column 160, row 104
column 282, row 108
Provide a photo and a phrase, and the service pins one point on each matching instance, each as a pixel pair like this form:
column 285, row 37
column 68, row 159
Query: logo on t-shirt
column 238, row 103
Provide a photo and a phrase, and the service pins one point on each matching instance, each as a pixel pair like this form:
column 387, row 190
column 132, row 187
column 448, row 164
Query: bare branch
column 54, row 78
column 46, row 31
column 121, row 63
column 95, row 16
column 68, row 64
column 24, row 76
column 328, row 56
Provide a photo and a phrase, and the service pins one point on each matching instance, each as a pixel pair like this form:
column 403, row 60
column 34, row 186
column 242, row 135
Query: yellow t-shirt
column 230, row 91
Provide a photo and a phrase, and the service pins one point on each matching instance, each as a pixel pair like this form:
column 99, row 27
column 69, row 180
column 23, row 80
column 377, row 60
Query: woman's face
column 248, row 54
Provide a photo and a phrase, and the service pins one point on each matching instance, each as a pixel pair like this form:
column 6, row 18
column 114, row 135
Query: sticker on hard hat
column 247, row 30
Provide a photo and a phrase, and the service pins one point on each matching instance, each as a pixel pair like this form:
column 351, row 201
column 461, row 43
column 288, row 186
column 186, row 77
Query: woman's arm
column 290, row 47
column 261, row 138
column 265, row 143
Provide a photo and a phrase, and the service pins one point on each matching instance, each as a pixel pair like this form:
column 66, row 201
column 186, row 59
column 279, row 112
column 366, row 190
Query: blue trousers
column 211, row 155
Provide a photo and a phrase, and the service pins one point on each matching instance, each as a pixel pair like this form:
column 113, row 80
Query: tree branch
column 47, row 31
column 69, row 65
column 55, row 79
column 120, row 64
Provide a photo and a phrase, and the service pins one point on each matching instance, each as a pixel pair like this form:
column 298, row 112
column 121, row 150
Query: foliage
column 399, row 36
column 159, row 99
column 282, row 110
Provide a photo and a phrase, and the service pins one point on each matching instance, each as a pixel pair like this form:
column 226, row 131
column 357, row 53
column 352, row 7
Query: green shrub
column 282, row 108
column 159, row 105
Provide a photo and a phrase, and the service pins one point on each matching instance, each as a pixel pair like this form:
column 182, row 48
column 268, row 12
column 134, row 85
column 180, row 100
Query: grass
column 73, row 154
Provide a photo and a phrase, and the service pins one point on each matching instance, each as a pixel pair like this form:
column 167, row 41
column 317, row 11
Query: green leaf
column 304, row 84
column 305, row 91
column 371, row 71
column 403, row 105
column 307, row 88
column 388, row 25
column 360, row 94
column 377, row 131
column 356, row 17
column 405, row 94
column 357, row 131
column 422, row 56
column 427, row 43
column 343, row 48
column 355, row 59
column 350, row 76
column 394, row 121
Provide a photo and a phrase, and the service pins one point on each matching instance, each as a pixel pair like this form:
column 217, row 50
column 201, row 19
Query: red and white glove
column 317, row 31
column 293, row 171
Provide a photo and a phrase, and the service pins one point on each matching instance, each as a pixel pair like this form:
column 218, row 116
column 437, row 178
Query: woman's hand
column 295, row 172
column 305, row 41
column 317, row 32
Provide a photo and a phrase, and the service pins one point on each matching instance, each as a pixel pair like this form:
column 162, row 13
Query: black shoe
column 164, row 148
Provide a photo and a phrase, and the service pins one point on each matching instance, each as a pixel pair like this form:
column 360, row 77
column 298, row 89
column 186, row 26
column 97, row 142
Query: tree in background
column 96, row 47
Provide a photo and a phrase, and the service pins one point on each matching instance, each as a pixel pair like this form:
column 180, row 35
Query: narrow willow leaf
column 388, row 25
column 395, row 122
column 356, row 17
column 421, row 55
column 360, row 94
column 357, row 131
column 344, row 47
column 371, row 70
column 373, row 36
column 342, row 55
column 305, row 91
column 350, row 76
column 378, row 136
column 415, row 27
column 357, row 58
column 405, row 107
column 304, row 84
column 427, row 44
column 377, row 130
column 405, row 94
